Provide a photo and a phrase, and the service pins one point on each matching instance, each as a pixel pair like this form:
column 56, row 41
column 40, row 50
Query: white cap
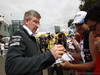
column 79, row 17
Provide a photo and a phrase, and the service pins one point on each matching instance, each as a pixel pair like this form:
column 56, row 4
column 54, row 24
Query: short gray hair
column 31, row 13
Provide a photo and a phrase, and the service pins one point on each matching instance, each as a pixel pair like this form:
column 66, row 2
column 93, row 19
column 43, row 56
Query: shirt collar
column 28, row 30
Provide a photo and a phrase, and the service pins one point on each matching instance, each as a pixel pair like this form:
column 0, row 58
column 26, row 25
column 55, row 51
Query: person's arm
column 86, row 66
column 76, row 45
column 18, row 63
column 76, row 55
column 83, row 67
column 77, row 48
column 90, row 65
column 92, row 46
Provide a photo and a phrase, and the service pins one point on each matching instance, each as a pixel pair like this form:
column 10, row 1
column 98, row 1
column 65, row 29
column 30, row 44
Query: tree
column 86, row 4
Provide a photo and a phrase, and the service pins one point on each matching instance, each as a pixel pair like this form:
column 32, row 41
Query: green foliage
column 86, row 4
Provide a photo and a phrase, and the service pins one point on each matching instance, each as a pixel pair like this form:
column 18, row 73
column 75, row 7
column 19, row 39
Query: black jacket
column 24, row 56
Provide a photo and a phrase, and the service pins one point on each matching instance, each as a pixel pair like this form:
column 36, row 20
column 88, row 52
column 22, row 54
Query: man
column 24, row 56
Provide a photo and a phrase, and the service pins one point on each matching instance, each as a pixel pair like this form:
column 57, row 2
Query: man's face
column 33, row 24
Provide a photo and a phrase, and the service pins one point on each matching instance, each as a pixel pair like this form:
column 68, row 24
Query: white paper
column 65, row 57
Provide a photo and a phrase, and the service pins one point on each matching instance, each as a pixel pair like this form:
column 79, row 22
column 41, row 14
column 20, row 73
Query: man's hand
column 57, row 51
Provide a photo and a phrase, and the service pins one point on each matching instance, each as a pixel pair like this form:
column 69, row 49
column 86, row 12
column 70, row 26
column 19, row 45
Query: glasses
column 36, row 21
